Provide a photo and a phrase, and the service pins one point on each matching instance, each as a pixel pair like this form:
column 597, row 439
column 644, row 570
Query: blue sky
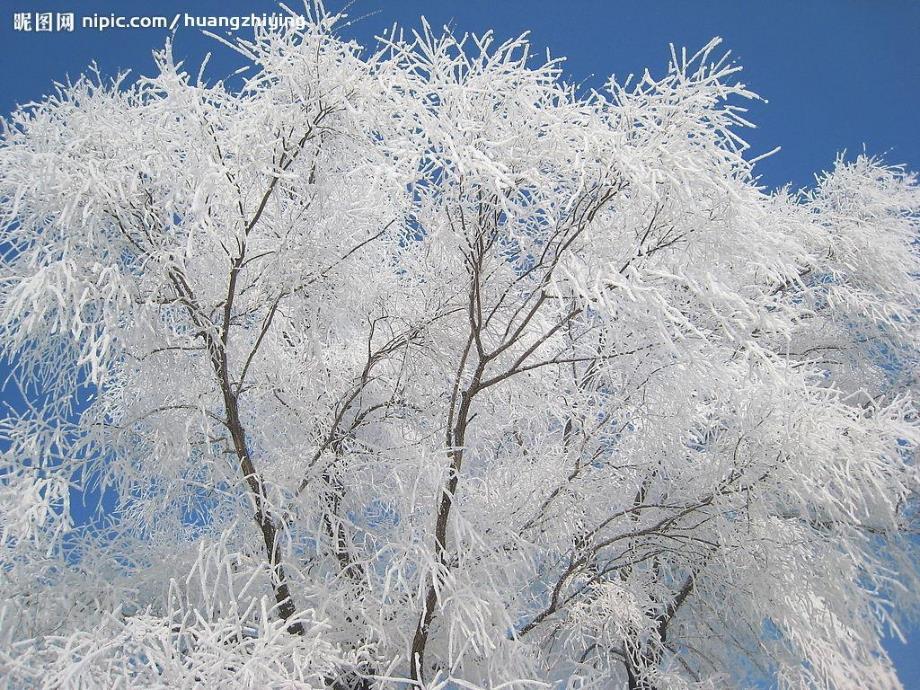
column 838, row 74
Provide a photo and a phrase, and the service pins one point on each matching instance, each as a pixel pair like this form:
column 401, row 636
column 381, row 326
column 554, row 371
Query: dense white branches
column 421, row 365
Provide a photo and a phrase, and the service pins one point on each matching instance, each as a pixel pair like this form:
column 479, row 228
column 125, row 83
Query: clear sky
column 838, row 74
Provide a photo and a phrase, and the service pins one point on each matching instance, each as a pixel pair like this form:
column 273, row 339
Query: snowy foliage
column 423, row 364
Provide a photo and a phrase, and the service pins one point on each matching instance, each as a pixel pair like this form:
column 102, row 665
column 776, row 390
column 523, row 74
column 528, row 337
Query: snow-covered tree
column 422, row 366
